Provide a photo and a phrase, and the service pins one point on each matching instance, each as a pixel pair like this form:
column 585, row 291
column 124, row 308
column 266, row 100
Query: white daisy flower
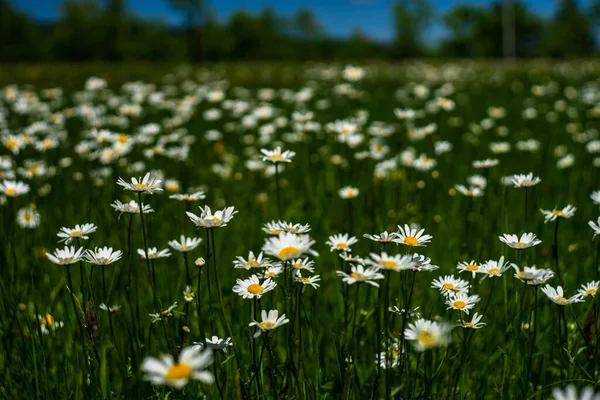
column 475, row 322
column 154, row 253
column 185, row 244
column 341, row 242
column 494, row 268
column 383, row 237
column 570, row 393
column 526, row 240
column 422, row 263
column 360, row 274
column 449, row 285
column 102, row 256
column 288, row 246
column 348, row 192
column 269, row 322
column 131, row 208
column 48, row 324
column 188, row 294
column 595, row 227
column 557, row 295
column 80, row 231
column 146, row 185
column 191, row 365
column 13, row 188
column 522, row 180
column 251, row 262
column 462, row 302
column 468, row 266
column 387, row 262
column 532, row 275
column 276, row 156
column 188, row 197
column 309, row 280
column 411, row 237
column 251, row 287
column 589, row 289
column 427, row 334
column 67, row 256
column 209, row 220
column 552, row 215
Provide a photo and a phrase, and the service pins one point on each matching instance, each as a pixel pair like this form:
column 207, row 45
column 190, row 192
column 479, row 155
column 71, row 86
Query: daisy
column 595, row 227
column 28, row 217
column 360, row 274
column 216, row 344
column 301, row 265
column 449, row 285
column 209, row 220
column 191, row 365
column 80, row 231
column 294, row 228
column 67, row 256
column 477, row 181
column 551, row 215
column 49, row 324
column 557, row 296
column 570, row 393
column 391, row 263
column 272, row 272
column 392, row 358
column 474, row 323
column 522, row 180
column 411, row 237
column 309, row 280
column 154, row 253
column 145, row 185
column 526, row 240
column 130, row 208
column 188, row 197
column 269, row 322
column 494, row 268
column 341, row 242
column 424, row 163
column 348, row 192
column 595, row 196
column 111, row 309
column 462, row 302
column 468, row 266
column 163, row 314
column 276, row 156
column 251, row 262
column 473, row 191
column 251, row 287
column 102, row 256
column 383, row 237
column 487, row 163
column 589, row 289
column 188, row 294
column 422, row 263
column 273, row 228
column 427, row 334
column 13, row 188
column 185, row 244
column 533, row 276
column 288, row 246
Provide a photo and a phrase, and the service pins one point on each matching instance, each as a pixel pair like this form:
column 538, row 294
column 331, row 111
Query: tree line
column 103, row 30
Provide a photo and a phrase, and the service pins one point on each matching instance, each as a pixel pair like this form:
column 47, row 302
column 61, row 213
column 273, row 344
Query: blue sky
column 339, row 17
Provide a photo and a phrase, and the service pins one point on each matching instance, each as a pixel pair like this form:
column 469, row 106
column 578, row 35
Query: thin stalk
column 555, row 252
column 152, row 283
column 278, row 190
column 532, row 347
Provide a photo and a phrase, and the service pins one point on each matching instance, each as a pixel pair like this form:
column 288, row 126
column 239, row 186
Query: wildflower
column 49, row 324
column 209, row 220
column 470, row 266
column 28, row 217
column 67, row 256
column 111, row 309
column 526, row 240
column 301, row 265
column 13, row 188
column 570, row 393
column 411, row 237
column 557, row 296
column 424, row 163
column 185, row 244
column 522, row 180
column 352, row 258
column 360, row 274
column 450, row 285
column 595, row 227
column 353, row 74
column 595, row 196
column 145, row 185
column 102, row 256
column 154, row 253
column 191, row 365
column 216, row 344
column 532, row 275
column 294, row 228
column 272, row 272
column 473, row 191
column 487, row 163
column 251, row 287
column 288, row 246
column 80, row 231
column 391, row 358
column 383, row 237
column 341, row 242
column 131, row 208
column 411, row 314
column 462, row 302
column 269, row 322
column 348, row 192
column 391, row 263
column 276, row 156
column 251, row 262
column 494, row 268
column 589, row 289
column 474, row 323
column 310, row 280
column 188, row 294
column 188, row 197
column 552, row 215
column 421, row 263
column 163, row 314
column 427, row 334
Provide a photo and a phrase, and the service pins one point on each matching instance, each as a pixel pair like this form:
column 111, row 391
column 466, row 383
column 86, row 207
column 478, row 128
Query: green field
column 404, row 135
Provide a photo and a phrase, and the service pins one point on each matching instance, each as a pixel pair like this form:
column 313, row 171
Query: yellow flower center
column 267, row 325
column 10, row 191
column 411, row 241
column 426, row 338
column 288, row 252
column 215, row 219
column 448, row 286
column 28, row 217
column 75, row 233
column 297, row 266
column 558, row 213
column 472, row 267
column 275, row 231
column 305, row 280
column 351, row 193
column 590, row 292
column 269, row 274
column 519, row 244
column 255, row 288
column 252, row 263
column 341, row 245
column 11, row 143
column 460, row 304
column 493, row 271
column 389, row 264
column 123, row 138
column 189, row 296
column 172, row 187
column 277, row 156
column 346, row 129
column 378, row 147
column 561, row 299
column 48, row 321
column 139, row 185
column 179, row 371
column 468, row 324
column 357, row 276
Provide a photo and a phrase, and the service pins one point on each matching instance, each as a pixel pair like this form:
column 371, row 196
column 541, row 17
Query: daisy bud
column 22, row 307
column 200, row 262
column 186, row 329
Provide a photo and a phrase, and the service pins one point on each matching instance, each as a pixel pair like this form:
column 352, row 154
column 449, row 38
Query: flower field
column 300, row 231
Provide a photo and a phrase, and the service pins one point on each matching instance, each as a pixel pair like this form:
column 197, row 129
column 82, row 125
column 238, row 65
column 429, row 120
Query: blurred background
column 220, row 30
